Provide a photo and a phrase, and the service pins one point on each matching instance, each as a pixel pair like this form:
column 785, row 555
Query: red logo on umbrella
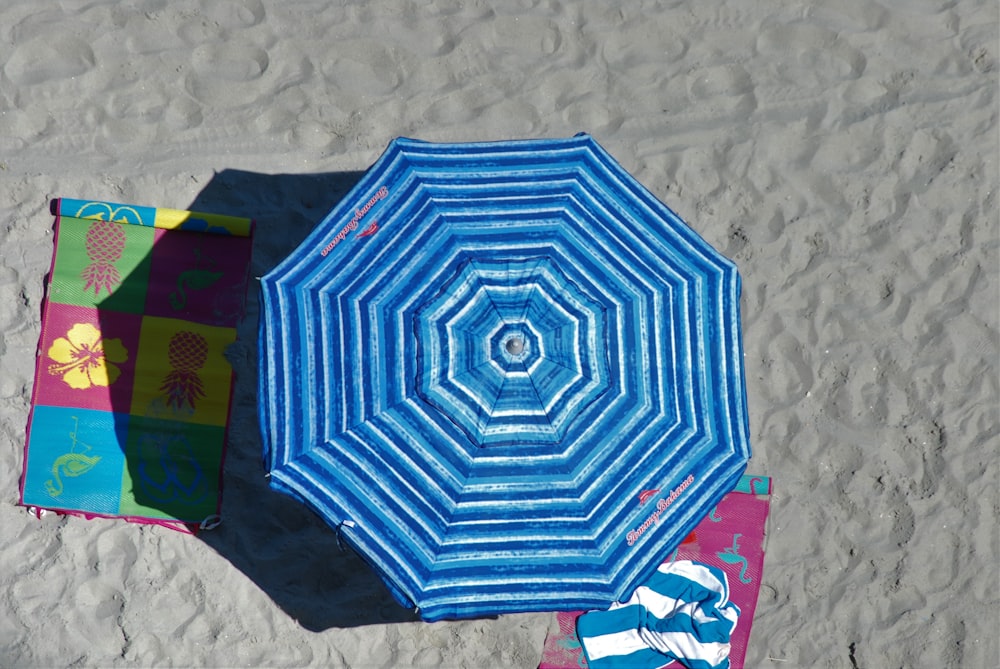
column 370, row 230
column 645, row 495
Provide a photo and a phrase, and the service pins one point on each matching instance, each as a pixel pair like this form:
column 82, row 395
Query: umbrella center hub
column 515, row 345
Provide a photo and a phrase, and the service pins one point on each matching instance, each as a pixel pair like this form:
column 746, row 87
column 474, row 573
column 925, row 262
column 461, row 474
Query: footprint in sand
column 183, row 113
column 48, row 59
column 219, row 70
column 365, row 69
column 218, row 20
column 722, row 90
column 234, row 14
column 809, row 56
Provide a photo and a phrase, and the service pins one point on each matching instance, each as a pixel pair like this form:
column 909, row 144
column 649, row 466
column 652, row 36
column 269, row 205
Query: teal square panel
column 75, row 460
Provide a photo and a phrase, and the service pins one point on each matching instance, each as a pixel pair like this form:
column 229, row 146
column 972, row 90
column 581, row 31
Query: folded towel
column 681, row 613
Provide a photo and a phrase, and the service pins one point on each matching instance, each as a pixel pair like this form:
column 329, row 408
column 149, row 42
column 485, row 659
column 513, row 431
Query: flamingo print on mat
column 71, row 464
column 198, row 278
column 731, row 555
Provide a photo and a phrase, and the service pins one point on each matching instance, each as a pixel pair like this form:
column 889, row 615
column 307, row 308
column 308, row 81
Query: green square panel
column 171, row 470
column 101, row 264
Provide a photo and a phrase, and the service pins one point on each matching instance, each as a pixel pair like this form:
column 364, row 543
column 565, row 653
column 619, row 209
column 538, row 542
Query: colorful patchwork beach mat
column 730, row 538
column 132, row 390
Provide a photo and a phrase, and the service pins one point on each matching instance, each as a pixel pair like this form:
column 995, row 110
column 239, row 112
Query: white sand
column 842, row 152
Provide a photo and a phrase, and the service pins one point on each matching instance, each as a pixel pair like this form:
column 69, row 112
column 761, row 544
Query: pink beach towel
column 731, row 538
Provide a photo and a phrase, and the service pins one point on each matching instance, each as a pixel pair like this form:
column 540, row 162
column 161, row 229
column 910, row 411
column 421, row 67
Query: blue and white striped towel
column 681, row 613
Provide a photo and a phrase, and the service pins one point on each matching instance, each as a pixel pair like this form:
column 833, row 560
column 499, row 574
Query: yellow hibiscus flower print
column 85, row 359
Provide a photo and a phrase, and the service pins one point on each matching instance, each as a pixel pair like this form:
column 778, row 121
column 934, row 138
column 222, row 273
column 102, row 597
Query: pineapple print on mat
column 105, row 244
column 181, row 372
column 186, row 354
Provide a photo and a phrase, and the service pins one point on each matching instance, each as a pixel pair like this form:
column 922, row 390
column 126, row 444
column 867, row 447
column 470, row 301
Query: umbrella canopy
column 507, row 373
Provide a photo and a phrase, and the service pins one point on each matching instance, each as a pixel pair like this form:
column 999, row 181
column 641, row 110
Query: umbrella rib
column 496, row 397
column 582, row 374
column 541, row 403
column 537, row 397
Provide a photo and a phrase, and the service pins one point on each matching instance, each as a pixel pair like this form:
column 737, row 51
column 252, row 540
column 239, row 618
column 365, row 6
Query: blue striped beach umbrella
column 506, row 373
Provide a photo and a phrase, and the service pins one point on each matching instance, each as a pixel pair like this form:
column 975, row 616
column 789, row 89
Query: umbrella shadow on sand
column 291, row 554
